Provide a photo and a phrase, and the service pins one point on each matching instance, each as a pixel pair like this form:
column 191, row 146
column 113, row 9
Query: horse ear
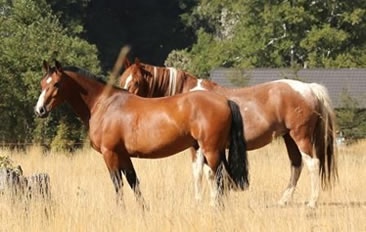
column 127, row 63
column 46, row 67
column 137, row 61
column 58, row 66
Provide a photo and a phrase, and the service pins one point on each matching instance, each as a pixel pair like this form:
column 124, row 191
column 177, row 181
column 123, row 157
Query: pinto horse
column 122, row 125
column 299, row 112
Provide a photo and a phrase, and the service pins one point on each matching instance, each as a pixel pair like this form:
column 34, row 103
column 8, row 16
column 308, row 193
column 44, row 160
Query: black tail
column 238, row 162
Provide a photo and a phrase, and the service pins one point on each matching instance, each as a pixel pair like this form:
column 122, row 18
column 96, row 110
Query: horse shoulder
column 107, row 121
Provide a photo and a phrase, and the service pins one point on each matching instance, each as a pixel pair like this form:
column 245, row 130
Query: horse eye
column 57, row 85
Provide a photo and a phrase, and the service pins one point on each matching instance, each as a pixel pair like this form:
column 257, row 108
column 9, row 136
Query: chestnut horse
column 299, row 112
column 122, row 125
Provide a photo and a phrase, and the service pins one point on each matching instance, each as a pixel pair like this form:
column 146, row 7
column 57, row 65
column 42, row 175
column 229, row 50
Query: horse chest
column 95, row 138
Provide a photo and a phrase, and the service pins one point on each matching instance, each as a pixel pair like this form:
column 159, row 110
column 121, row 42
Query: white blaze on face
column 49, row 80
column 128, row 80
column 198, row 86
column 40, row 101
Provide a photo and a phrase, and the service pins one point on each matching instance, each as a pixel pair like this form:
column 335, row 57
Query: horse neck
column 162, row 83
column 194, row 83
column 190, row 82
column 84, row 96
column 213, row 86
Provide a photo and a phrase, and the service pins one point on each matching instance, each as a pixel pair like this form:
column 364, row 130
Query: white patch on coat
column 300, row 87
column 128, row 80
column 40, row 101
column 197, row 168
column 198, row 86
column 313, row 167
column 210, row 176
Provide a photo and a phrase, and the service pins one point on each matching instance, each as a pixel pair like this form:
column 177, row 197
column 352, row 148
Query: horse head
column 135, row 79
column 53, row 86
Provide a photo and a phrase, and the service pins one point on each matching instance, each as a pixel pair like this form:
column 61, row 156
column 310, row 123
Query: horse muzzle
column 41, row 112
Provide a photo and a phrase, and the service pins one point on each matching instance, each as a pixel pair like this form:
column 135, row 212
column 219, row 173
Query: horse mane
column 85, row 73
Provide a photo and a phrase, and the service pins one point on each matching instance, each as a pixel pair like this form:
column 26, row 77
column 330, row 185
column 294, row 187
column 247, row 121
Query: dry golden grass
column 84, row 199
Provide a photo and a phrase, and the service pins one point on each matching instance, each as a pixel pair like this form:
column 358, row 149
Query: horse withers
column 122, row 126
column 299, row 112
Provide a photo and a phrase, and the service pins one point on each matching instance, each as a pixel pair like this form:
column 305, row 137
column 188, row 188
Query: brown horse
column 299, row 112
column 122, row 125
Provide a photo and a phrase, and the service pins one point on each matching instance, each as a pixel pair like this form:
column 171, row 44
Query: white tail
column 324, row 135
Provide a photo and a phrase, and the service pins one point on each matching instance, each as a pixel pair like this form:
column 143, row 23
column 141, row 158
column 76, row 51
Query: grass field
column 83, row 197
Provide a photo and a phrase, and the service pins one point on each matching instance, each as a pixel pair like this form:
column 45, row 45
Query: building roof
column 337, row 81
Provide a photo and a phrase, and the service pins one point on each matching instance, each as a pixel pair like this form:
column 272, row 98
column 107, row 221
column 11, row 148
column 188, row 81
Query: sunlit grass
column 83, row 197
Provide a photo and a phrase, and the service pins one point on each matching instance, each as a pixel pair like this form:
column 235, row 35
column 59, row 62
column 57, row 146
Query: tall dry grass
column 83, row 197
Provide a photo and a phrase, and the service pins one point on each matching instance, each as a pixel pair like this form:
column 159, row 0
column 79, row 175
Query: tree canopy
column 262, row 33
column 30, row 33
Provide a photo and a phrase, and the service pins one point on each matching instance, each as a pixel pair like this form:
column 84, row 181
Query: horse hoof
column 145, row 207
column 311, row 204
column 282, row 203
column 198, row 198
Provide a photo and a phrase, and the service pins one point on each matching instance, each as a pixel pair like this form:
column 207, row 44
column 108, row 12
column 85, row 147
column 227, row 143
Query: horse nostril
column 42, row 110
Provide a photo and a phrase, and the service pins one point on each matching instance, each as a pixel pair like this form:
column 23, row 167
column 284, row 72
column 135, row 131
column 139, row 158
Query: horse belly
column 161, row 147
column 263, row 119
column 260, row 140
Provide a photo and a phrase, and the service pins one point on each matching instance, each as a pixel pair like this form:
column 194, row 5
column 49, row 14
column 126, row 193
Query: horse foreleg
column 111, row 160
column 197, row 168
column 313, row 164
column 296, row 168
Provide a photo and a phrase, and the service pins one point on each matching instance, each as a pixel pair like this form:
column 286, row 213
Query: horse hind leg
column 214, row 174
column 296, row 168
column 197, row 168
column 130, row 174
column 313, row 164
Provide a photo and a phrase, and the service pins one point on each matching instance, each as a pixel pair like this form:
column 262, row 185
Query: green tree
column 67, row 136
column 283, row 33
column 351, row 119
column 29, row 34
